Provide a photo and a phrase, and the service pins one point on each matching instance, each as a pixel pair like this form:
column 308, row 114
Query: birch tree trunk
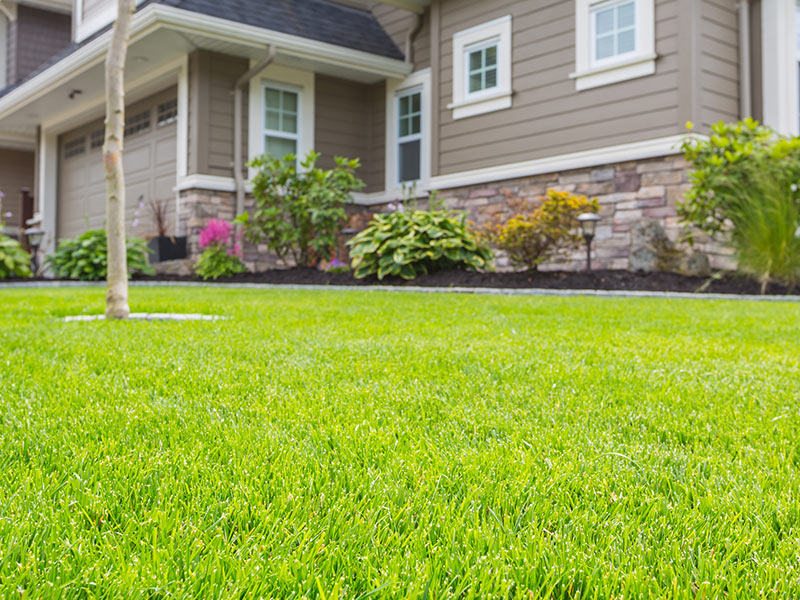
column 117, row 281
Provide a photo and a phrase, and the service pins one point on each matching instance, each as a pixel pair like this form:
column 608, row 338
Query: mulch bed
column 558, row 280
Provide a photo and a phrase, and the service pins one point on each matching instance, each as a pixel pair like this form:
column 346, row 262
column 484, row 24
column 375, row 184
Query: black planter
column 167, row 248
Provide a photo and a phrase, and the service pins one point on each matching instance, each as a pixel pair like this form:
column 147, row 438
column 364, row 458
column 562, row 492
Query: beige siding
column 16, row 173
column 350, row 123
column 548, row 116
column 719, row 61
column 212, row 78
column 397, row 23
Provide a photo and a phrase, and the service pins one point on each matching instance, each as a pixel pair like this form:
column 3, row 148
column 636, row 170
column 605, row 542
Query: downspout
column 413, row 31
column 745, row 57
column 238, row 159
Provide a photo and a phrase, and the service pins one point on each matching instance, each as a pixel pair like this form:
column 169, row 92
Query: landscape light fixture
column 588, row 223
column 35, row 237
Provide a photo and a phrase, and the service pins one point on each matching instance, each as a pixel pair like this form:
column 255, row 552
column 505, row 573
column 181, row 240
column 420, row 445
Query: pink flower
column 237, row 250
column 216, row 233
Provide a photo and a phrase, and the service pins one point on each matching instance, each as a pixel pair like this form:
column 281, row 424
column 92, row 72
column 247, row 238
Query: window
column 281, row 113
column 615, row 41
column 137, row 123
column 75, row 147
column 97, row 139
column 408, row 132
column 167, row 112
column 409, row 136
column 482, row 69
column 614, row 30
column 281, row 121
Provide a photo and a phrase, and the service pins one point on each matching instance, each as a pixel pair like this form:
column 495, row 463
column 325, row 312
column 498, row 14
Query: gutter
column 413, row 31
column 155, row 16
column 745, row 58
column 238, row 122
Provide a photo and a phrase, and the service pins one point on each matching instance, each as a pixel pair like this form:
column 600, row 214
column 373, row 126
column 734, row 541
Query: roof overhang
column 417, row 6
column 161, row 33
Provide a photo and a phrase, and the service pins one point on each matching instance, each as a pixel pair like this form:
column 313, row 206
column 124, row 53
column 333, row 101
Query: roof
column 320, row 20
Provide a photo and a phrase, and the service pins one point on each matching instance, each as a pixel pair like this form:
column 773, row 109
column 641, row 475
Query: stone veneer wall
column 629, row 193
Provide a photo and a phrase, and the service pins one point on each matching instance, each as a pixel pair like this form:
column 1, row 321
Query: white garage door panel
column 150, row 173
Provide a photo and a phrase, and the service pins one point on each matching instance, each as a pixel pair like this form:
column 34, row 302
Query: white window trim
column 83, row 29
column 779, row 66
column 301, row 82
column 420, row 80
column 590, row 73
column 3, row 51
column 464, row 104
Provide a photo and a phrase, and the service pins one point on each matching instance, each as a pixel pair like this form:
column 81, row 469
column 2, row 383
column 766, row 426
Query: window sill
column 639, row 66
column 479, row 106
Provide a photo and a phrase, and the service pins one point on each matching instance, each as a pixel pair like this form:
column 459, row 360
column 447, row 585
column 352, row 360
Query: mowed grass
column 374, row 445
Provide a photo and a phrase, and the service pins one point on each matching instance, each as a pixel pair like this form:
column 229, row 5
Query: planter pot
column 167, row 248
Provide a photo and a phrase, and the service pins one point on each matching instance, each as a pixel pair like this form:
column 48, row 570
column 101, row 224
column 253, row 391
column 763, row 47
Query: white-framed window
column 281, row 117
column 482, row 69
column 409, row 136
column 615, row 41
column 281, row 120
column 408, row 132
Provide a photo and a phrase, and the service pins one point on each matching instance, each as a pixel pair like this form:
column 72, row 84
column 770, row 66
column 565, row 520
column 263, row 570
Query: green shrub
column 14, row 261
column 728, row 164
column 766, row 233
column 537, row 233
column 408, row 244
column 299, row 213
column 86, row 257
column 744, row 190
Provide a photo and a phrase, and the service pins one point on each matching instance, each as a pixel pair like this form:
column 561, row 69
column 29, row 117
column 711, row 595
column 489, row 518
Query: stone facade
column 629, row 193
column 635, row 198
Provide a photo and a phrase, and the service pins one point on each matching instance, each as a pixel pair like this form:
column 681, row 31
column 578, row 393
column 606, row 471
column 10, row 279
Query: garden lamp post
column 35, row 237
column 588, row 223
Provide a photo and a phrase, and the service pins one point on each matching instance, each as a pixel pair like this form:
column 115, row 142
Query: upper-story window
column 482, row 69
column 614, row 41
column 613, row 30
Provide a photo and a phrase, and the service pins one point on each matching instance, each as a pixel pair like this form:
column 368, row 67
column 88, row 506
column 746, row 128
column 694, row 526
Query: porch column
column 48, row 188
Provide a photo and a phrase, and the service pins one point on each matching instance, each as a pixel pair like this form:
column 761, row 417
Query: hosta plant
column 409, row 244
column 14, row 261
column 222, row 255
column 85, row 257
column 538, row 231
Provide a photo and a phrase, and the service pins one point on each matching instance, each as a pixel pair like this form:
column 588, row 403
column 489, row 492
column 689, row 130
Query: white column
column 779, row 66
column 48, row 188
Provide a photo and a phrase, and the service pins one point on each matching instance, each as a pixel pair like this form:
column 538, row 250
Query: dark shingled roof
column 320, row 20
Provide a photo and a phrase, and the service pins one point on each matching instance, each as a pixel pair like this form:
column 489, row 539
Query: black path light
column 588, row 223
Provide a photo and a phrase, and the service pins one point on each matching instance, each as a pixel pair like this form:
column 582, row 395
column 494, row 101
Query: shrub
column 408, row 244
column 219, row 259
column 86, row 257
column 537, row 233
column 744, row 189
column 299, row 213
column 14, row 261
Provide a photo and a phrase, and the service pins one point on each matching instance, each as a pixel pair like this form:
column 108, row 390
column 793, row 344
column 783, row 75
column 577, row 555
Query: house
column 474, row 98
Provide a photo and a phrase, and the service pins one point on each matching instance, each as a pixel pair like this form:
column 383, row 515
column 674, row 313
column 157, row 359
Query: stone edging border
column 417, row 289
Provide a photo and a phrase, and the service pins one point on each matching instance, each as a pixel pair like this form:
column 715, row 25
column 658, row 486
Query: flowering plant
column 220, row 258
column 337, row 266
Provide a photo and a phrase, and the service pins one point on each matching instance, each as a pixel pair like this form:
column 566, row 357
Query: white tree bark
column 117, row 281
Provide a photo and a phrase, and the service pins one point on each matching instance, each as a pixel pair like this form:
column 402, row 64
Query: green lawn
column 375, row 445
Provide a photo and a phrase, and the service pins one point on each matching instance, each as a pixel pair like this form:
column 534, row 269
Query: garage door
column 150, row 169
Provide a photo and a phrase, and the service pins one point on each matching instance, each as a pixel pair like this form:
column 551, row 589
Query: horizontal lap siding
column 549, row 117
column 719, row 61
column 348, row 115
column 16, row 173
column 397, row 22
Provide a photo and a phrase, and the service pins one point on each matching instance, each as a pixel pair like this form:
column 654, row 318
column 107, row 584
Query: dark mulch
column 595, row 280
